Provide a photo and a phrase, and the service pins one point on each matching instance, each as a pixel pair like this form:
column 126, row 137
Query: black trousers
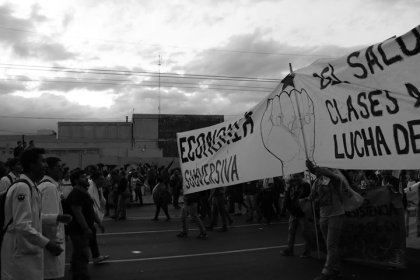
column 93, row 244
column 175, row 195
column 80, row 257
column 164, row 206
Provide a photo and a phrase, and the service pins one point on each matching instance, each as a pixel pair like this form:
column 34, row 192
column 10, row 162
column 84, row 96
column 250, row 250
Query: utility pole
column 159, row 63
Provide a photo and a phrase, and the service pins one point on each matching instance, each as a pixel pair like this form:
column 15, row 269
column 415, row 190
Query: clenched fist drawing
column 282, row 125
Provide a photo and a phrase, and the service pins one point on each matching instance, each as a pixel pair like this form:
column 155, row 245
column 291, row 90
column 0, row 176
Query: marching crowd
column 44, row 204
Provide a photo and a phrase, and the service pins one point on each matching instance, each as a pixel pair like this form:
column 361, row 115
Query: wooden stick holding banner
column 307, row 157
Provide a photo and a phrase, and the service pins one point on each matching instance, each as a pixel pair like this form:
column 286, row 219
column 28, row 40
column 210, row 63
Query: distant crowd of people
column 46, row 205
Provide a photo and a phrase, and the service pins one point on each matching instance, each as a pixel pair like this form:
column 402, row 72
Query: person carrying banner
column 218, row 206
column 297, row 190
column 190, row 207
column 250, row 190
column 266, row 200
column 328, row 188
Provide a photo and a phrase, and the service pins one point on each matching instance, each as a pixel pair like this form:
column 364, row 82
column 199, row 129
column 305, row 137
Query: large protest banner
column 360, row 111
column 366, row 106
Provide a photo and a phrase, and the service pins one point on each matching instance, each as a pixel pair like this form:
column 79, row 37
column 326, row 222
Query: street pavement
column 143, row 249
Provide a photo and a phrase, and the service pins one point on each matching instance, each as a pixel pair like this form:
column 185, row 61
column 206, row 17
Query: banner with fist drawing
column 360, row 111
column 282, row 128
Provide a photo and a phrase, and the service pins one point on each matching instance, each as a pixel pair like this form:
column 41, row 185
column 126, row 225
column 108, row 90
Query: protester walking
column 176, row 186
column 23, row 223
column 297, row 191
column 123, row 192
column 161, row 198
column 190, row 207
column 250, row 191
column 18, row 150
column 136, row 183
column 329, row 188
column 218, row 202
column 51, row 204
column 96, row 183
column 266, row 200
column 81, row 229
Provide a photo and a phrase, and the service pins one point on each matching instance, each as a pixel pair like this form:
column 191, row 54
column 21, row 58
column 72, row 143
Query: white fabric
column 98, row 200
column 5, row 182
column 22, row 247
column 65, row 188
column 359, row 111
column 51, row 204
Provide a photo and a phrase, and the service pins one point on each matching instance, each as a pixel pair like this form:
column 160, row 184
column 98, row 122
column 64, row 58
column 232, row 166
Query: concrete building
column 148, row 138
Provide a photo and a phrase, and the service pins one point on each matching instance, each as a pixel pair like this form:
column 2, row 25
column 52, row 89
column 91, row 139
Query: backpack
column 10, row 179
column 2, row 206
column 45, row 180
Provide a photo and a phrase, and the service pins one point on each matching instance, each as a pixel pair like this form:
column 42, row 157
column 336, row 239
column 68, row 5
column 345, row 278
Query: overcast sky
column 98, row 60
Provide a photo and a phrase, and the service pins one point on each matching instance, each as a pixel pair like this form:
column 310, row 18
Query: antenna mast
column 159, row 63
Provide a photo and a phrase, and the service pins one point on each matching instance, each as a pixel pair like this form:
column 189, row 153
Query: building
column 148, row 138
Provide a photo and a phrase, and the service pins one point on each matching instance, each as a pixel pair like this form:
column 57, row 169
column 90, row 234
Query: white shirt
column 412, row 192
column 98, row 199
column 267, row 183
column 22, row 253
column 51, row 204
column 5, row 182
column 65, row 188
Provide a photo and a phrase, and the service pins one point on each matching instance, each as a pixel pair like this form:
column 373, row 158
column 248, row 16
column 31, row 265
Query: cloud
column 43, row 51
column 8, row 87
column 36, row 16
column 68, row 84
column 20, row 34
column 264, row 58
column 97, row 79
column 12, row 26
column 33, row 114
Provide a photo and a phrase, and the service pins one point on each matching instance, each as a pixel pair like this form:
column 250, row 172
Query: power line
column 179, row 47
column 147, row 83
column 11, row 131
column 132, row 73
column 134, row 85
column 56, row 118
column 85, row 119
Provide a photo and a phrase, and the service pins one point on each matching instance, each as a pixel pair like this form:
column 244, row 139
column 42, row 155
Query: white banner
column 361, row 111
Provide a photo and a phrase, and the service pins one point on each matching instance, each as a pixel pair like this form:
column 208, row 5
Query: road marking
column 134, row 218
column 176, row 230
column 143, row 218
column 198, row 255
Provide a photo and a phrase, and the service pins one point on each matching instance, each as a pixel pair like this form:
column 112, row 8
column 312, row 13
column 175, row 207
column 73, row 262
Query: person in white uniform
column 96, row 183
column 22, row 250
column 51, row 204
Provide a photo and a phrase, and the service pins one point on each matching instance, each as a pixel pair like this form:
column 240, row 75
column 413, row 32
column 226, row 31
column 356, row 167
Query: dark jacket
column 293, row 194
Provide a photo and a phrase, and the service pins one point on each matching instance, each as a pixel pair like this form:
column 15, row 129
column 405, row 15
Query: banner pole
column 300, row 118
column 307, row 157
